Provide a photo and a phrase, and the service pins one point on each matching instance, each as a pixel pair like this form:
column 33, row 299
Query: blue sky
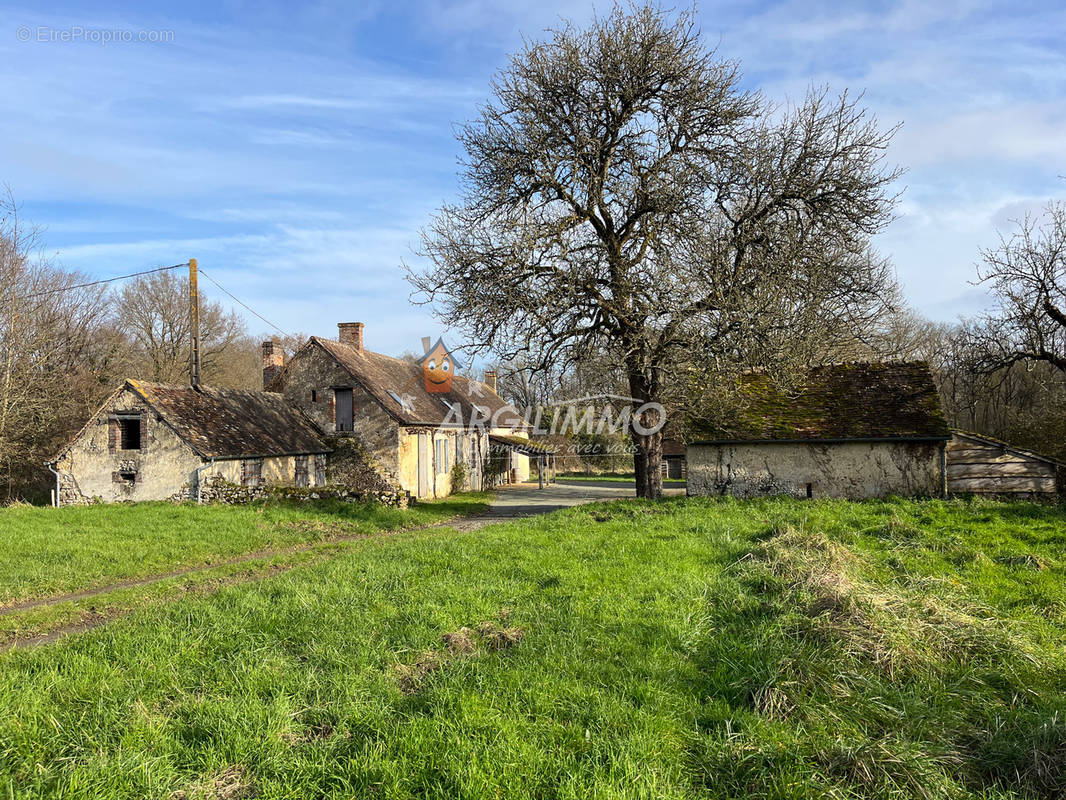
column 296, row 149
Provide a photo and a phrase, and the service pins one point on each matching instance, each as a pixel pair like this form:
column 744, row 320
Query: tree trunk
column 648, row 447
column 647, row 465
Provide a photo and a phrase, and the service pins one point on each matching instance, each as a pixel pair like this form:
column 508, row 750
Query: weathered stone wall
column 218, row 490
column 89, row 469
column 314, row 374
column 853, row 470
column 352, row 465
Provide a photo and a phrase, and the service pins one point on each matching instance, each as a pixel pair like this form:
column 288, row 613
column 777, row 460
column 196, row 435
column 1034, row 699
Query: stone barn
column 152, row 441
column 847, row 430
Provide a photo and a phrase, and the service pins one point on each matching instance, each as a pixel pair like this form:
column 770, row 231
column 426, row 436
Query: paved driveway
column 526, row 499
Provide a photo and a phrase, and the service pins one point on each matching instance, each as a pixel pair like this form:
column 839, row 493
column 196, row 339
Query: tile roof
column 388, row 378
column 835, row 402
column 231, row 423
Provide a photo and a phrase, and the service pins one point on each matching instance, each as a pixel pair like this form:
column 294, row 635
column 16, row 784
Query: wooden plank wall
column 979, row 466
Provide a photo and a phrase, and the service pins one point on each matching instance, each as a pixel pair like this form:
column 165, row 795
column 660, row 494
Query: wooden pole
column 194, row 324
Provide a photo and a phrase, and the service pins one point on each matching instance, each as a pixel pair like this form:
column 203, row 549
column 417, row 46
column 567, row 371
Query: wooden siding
column 983, row 466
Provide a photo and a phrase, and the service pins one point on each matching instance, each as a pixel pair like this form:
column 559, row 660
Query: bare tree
column 51, row 348
column 153, row 311
column 623, row 195
column 1027, row 273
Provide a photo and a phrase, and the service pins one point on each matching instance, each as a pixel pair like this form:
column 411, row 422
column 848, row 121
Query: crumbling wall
column 218, row 490
column 852, row 470
column 351, row 464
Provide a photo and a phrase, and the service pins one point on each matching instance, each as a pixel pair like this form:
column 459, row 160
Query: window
column 343, row 410
column 125, row 477
column 251, row 471
column 301, row 475
column 314, row 395
column 129, row 433
column 442, row 456
column 320, row 469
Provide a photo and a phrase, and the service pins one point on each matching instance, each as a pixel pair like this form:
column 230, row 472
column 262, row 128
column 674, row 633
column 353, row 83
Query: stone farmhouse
column 335, row 414
column 415, row 435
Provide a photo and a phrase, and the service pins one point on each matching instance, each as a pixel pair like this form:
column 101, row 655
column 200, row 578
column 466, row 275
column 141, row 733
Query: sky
column 296, row 149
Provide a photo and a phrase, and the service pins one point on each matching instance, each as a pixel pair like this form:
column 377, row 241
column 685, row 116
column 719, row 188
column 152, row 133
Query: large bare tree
column 1027, row 273
column 623, row 194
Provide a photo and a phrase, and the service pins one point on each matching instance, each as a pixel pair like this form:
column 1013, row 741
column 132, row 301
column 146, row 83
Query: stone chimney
column 351, row 334
column 273, row 361
column 490, row 379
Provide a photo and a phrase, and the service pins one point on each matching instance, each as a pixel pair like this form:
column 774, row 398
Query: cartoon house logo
column 438, row 366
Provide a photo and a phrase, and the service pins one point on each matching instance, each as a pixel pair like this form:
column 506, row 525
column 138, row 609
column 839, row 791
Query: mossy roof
column 896, row 400
column 231, row 423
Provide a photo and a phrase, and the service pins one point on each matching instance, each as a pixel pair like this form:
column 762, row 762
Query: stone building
column 336, row 414
column 848, row 430
column 151, row 441
column 414, row 435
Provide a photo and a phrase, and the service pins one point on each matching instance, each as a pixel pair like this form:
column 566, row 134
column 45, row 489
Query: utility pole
column 194, row 324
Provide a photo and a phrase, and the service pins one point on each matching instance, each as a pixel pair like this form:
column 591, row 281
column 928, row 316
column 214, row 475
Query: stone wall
column 218, row 490
column 852, row 470
column 309, row 381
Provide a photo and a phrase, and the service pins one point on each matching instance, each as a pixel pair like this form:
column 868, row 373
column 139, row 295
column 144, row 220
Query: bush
column 459, row 476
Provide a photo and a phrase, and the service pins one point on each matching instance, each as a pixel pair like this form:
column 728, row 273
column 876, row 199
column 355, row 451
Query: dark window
column 129, row 433
column 251, row 471
column 344, row 410
column 125, row 477
column 810, row 490
column 301, row 471
column 314, row 395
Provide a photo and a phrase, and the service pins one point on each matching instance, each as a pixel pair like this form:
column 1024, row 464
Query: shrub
column 459, row 476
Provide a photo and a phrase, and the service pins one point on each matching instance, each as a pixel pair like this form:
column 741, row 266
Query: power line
column 246, row 307
column 97, row 283
column 149, row 272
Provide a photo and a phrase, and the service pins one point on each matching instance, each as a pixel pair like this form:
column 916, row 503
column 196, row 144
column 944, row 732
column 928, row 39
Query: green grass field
column 47, row 552
column 681, row 649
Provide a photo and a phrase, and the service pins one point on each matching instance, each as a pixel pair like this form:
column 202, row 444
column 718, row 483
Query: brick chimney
column 490, row 379
column 351, row 334
column 273, row 361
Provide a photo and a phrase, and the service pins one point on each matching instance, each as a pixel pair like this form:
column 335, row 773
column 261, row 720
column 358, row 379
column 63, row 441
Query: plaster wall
column 852, row 470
